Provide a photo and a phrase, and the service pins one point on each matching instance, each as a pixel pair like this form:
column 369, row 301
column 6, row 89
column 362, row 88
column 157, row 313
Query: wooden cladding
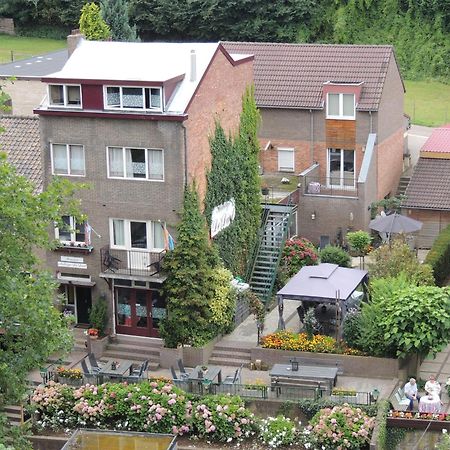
column 340, row 133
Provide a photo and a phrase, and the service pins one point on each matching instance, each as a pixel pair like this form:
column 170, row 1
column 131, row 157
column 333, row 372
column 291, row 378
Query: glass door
column 139, row 255
column 341, row 168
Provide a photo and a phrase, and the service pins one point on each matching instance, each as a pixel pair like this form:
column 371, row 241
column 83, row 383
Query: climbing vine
column 234, row 174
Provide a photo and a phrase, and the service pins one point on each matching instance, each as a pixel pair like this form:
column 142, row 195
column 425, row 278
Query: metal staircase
column 266, row 257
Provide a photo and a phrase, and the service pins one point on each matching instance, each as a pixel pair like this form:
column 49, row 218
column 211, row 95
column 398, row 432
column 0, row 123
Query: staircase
column 230, row 353
column 403, row 184
column 134, row 348
column 14, row 414
column 273, row 233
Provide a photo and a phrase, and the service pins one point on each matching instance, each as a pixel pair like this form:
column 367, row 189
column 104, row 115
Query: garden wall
column 351, row 365
column 6, row 25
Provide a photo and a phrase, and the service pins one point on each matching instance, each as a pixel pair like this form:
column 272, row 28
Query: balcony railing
column 336, row 186
column 131, row 262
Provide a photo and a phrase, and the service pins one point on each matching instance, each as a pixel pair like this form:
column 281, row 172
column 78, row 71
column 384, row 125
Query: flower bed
column 408, row 419
column 287, row 340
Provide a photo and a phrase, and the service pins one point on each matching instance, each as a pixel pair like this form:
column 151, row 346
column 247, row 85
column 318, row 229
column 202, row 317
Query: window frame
column 69, row 169
column 341, row 184
column 150, row 225
column 341, row 116
column 65, row 96
column 72, row 231
column 124, row 177
column 286, row 149
column 122, row 108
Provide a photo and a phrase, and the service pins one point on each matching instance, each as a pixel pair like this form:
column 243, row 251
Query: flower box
column 344, row 398
column 406, row 419
column 77, row 382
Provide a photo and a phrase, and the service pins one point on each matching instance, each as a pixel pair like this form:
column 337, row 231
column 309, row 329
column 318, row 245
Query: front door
column 84, row 303
column 135, row 314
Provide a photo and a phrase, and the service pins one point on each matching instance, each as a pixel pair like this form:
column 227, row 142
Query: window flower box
column 74, row 247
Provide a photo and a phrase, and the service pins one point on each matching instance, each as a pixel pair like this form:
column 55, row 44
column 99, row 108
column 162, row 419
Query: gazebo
column 325, row 283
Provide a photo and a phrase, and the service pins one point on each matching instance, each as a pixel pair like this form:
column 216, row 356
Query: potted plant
column 72, row 377
column 98, row 316
column 264, row 189
column 92, row 333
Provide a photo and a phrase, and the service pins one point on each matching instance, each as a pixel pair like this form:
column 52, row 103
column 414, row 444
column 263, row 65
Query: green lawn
column 427, row 102
column 24, row 47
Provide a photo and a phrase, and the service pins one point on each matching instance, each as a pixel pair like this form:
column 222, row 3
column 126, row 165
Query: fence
column 344, row 187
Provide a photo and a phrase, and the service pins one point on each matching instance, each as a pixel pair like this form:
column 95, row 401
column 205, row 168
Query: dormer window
column 64, row 95
column 340, row 106
column 133, row 98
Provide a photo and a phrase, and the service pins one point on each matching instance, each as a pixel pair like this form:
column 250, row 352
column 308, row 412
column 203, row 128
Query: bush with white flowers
column 277, row 431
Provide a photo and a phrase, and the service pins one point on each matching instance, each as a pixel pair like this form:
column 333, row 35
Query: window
column 286, row 159
column 118, row 97
column 71, row 231
column 68, row 160
column 340, row 106
column 136, row 163
column 68, row 96
column 135, row 234
column 341, row 168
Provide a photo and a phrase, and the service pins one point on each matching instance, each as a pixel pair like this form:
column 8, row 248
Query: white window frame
column 341, row 184
column 121, row 107
column 124, row 164
column 150, row 224
column 65, row 96
column 68, row 174
column 72, row 231
column 341, row 116
column 286, row 149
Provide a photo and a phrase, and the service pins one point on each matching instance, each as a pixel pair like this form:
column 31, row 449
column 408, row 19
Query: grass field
column 427, row 102
column 23, row 47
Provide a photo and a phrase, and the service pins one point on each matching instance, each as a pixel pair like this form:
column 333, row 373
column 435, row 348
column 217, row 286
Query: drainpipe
column 311, row 150
column 113, row 308
column 371, row 121
column 185, row 154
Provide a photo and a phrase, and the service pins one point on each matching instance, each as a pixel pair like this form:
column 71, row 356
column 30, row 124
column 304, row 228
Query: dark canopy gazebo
column 325, row 283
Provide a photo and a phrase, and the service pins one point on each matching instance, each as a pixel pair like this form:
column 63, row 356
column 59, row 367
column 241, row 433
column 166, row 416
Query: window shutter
column 286, row 160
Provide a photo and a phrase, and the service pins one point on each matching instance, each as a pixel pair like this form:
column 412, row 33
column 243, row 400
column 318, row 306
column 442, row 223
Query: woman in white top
column 432, row 386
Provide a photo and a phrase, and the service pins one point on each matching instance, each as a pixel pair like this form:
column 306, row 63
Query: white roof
column 136, row 61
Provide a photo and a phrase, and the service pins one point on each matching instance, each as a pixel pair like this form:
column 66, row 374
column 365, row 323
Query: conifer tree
column 115, row 14
column 92, row 24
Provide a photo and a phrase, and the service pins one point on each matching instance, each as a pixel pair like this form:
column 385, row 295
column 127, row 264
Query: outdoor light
column 294, row 365
column 313, row 216
column 375, row 394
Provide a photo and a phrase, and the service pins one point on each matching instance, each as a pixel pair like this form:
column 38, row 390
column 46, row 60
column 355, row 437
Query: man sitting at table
column 433, row 387
column 410, row 391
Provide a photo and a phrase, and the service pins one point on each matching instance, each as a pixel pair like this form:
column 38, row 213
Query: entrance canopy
column 324, row 283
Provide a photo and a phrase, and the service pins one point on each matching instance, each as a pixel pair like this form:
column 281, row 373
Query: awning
column 76, row 282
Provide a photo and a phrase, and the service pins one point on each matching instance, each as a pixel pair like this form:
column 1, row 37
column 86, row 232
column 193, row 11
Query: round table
column 430, row 405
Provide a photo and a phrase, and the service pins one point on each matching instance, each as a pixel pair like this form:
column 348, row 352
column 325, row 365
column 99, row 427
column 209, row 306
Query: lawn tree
column 190, row 279
column 32, row 328
column 92, row 24
column 115, row 14
column 360, row 242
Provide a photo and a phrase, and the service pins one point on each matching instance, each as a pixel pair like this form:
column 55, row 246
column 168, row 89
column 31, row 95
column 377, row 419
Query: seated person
column 410, row 391
column 432, row 387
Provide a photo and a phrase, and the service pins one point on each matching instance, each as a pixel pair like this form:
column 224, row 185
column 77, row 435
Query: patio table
column 123, row 368
column 210, row 375
column 430, row 405
column 307, row 373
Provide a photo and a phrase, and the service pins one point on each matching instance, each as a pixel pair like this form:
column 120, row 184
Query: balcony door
column 139, row 257
column 341, row 168
column 139, row 311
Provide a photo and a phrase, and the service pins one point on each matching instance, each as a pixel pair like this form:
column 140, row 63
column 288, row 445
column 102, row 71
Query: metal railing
column 131, row 262
column 336, row 186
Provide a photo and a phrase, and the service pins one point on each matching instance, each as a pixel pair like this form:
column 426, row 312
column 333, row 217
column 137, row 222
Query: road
column 417, row 136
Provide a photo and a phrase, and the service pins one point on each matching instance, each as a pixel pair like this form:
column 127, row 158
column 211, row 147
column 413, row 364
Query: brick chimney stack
column 72, row 41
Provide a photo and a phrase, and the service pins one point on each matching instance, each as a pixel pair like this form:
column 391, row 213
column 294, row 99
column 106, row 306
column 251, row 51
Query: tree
column 27, row 293
column 92, row 24
column 359, row 241
column 190, row 279
column 335, row 255
column 115, row 14
column 391, row 259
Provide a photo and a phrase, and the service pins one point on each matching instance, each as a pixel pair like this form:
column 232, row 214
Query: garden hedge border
column 439, row 256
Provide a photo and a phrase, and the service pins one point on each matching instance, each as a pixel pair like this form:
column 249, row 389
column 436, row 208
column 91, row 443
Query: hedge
column 439, row 257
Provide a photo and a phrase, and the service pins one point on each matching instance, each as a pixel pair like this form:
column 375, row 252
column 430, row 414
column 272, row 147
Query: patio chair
column 234, row 379
column 174, row 374
column 94, row 364
column 183, row 372
column 138, row 375
column 88, row 376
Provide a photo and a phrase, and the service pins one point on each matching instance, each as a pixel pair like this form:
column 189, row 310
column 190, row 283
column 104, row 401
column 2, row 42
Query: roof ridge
column 309, row 44
column 18, row 116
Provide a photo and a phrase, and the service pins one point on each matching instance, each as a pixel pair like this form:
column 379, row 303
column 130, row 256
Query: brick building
column 428, row 192
column 334, row 115
column 132, row 121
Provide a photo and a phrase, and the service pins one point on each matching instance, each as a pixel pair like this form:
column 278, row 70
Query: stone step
column 153, row 361
column 231, row 362
column 133, row 350
column 14, row 414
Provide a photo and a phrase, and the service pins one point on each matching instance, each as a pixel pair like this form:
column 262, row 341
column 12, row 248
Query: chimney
column 193, row 66
column 73, row 40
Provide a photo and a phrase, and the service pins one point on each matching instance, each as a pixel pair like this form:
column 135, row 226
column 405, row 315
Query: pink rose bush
column 154, row 407
column 339, row 428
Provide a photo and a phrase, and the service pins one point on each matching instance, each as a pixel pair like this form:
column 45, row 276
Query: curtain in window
column 113, row 96
column 118, row 232
column 135, row 158
column 76, row 160
column 155, row 97
column 73, row 95
column 57, row 94
column 132, row 98
column 115, row 155
column 333, row 104
column 155, row 165
column 348, row 105
column 60, row 159
column 158, row 235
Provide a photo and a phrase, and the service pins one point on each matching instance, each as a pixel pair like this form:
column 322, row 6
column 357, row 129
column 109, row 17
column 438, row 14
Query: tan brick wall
column 219, row 97
column 26, row 95
column 390, row 163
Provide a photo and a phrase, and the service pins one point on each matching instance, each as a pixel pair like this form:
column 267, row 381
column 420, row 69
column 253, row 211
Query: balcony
column 141, row 263
column 329, row 186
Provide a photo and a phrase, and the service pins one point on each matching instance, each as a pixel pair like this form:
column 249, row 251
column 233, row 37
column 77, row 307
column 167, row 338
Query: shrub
column 98, row 315
column 310, row 407
column 339, row 427
column 439, row 256
column 310, row 323
column 335, row 255
column 277, row 431
column 74, row 374
column 359, row 241
column 351, row 328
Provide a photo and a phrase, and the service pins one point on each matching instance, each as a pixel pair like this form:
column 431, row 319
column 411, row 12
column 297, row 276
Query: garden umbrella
column 395, row 223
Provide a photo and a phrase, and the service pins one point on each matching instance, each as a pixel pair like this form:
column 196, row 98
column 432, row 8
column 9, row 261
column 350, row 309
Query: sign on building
column 222, row 216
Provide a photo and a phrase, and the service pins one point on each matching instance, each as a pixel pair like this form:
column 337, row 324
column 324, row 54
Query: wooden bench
column 401, row 400
column 278, row 384
column 318, row 362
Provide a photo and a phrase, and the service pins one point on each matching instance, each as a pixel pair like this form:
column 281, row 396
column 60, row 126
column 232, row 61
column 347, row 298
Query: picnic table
column 123, row 368
column 200, row 381
column 304, row 376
